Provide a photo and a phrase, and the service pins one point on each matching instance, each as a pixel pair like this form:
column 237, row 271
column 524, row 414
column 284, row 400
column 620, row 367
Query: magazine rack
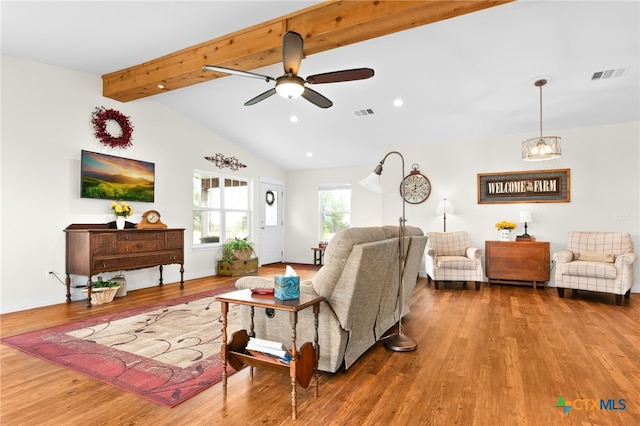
column 304, row 362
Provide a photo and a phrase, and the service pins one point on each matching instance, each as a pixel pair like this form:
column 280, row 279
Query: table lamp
column 444, row 207
column 525, row 217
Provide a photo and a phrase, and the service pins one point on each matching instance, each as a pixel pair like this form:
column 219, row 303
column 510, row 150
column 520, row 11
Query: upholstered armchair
column 450, row 257
column 596, row 261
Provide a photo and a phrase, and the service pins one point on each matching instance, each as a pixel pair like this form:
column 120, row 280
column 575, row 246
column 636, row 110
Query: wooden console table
column 517, row 262
column 95, row 248
column 304, row 362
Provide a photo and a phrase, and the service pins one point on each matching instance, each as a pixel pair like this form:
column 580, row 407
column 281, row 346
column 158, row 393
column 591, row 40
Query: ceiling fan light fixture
column 543, row 147
column 289, row 86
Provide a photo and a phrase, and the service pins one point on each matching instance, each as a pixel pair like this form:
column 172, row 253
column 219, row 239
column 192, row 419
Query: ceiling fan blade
column 316, row 98
column 237, row 72
column 292, row 52
column 260, row 97
column 344, row 75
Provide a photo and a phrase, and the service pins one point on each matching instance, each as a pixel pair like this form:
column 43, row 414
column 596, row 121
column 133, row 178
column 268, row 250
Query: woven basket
column 101, row 295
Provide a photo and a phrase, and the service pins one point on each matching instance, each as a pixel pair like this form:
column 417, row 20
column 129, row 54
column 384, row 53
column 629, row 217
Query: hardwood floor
column 500, row 356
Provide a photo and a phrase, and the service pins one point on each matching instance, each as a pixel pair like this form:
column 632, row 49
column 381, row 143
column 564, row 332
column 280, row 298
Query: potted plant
column 237, row 258
column 102, row 291
column 505, row 227
column 237, row 249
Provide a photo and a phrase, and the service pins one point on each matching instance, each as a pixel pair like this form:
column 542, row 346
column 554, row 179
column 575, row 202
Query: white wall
column 302, row 221
column 46, row 113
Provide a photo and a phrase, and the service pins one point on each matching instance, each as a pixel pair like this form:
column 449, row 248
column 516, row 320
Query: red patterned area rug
column 166, row 352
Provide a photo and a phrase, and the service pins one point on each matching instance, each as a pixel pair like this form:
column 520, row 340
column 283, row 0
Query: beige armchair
column 596, row 261
column 450, row 257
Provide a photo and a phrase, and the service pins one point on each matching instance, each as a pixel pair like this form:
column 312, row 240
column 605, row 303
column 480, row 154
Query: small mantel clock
column 151, row 220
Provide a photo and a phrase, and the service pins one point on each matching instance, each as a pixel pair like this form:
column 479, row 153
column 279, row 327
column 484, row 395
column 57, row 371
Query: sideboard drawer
column 105, row 264
column 130, row 247
column 138, row 235
column 148, row 260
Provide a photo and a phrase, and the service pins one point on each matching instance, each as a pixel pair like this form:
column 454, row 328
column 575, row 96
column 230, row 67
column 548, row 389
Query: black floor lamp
column 399, row 342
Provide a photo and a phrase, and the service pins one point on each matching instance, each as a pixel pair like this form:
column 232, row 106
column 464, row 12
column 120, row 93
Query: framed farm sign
column 531, row 186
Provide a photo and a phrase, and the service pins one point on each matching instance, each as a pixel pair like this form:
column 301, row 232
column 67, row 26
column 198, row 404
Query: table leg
column 89, row 288
column 293, row 319
column 223, row 348
column 68, row 283
column 316, row 347
column 252, row 333
column 181, row 276
column 161, row 274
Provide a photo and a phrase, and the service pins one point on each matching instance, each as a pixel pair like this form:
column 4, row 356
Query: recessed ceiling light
column 309, row 154
column 160, row 86
column 398, row 102
column 293, row 119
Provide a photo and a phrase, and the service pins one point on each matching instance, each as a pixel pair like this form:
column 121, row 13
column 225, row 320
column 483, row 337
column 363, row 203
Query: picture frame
column 109, row 177
column 530, row 186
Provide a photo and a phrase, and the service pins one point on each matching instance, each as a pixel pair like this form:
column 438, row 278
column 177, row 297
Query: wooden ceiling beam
column 325, row 26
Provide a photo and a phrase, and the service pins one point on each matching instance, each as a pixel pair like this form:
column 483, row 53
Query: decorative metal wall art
column 221, row 161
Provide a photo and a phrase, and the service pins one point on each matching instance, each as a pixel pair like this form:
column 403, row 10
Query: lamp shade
column 525, row 217
column 542, row 148
column 445, row 207
column 372, row 182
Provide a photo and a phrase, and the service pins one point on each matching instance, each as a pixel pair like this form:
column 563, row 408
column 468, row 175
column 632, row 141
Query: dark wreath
column 270, row 198
column 99, row 119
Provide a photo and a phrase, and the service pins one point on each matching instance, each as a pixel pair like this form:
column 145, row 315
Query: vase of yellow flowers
column 505, row 228
column 122, row 210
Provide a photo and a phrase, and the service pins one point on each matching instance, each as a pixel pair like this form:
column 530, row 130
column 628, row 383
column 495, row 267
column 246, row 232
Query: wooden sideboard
column 517, row 262
column 95, row 248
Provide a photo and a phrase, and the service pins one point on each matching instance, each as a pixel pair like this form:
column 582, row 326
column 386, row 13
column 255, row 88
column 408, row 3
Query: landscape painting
column 115, row 178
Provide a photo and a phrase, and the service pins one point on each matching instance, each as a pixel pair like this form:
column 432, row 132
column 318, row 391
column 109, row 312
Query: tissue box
column 287, row 288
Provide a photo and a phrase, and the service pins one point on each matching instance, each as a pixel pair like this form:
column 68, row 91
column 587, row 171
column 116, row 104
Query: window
column 335, row 209
column 221, row 208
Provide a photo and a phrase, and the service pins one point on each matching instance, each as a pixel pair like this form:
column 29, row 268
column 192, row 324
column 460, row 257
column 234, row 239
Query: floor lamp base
column 400, row 343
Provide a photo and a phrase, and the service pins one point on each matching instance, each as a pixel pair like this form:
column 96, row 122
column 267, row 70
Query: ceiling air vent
column 612, row 73
column 363, row 112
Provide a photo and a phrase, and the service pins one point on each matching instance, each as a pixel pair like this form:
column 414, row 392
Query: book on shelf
column 269, row 347
column 268, row 357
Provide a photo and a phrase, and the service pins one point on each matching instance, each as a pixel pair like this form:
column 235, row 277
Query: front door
column 271, row 224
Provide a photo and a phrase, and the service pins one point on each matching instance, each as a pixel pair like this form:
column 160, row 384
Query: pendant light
column 543, row 147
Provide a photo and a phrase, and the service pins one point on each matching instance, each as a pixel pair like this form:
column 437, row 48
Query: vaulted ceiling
column 461, row 78
column 324, row 26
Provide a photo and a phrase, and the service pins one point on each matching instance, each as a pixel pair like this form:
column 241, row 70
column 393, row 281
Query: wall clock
column 151, row 220
column 415, row 187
